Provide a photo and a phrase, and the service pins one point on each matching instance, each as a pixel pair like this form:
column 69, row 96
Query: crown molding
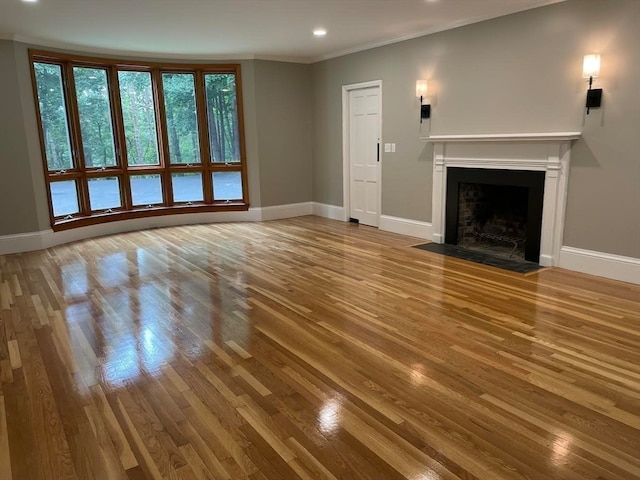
column 449, row 26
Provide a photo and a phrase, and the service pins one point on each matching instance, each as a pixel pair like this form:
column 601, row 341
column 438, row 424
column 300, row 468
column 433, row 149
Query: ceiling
column 269, row 29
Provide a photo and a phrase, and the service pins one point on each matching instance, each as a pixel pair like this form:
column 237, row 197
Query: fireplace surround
column 537, row 152
column 507, row 204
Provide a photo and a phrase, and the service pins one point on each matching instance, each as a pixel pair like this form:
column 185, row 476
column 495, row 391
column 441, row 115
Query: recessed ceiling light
column 30, row 1
column 319, row 32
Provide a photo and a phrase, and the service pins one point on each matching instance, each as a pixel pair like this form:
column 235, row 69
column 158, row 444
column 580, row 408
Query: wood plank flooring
column 309, row 349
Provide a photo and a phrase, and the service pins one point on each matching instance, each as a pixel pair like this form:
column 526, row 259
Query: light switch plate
column 387, row 147
column 393, row 148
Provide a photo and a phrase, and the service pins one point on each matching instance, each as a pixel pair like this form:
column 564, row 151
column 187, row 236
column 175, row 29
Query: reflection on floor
column 309, row 349
column 481, row 256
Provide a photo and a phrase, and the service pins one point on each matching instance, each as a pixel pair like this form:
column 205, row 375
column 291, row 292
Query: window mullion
column 76, row 139
column 163, row 136
column 241, row 135
column 119, row 137
column 203, row 131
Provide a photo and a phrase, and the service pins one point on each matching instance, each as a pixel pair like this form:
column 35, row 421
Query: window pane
column 64, row 197
column 222, row 116
column 104, row 193
column 146, row 189
column 187, row 187
column 227, row 186
column 94, row 110
column 139, row 116
column 182, row 122
column 53, row 116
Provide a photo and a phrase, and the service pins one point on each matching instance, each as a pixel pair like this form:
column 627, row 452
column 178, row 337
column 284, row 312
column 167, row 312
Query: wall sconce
column 591, row 69
column 421, row 92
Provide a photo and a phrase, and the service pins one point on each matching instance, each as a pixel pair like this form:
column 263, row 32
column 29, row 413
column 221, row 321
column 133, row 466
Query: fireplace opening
column 493, row 218
column 496, row 212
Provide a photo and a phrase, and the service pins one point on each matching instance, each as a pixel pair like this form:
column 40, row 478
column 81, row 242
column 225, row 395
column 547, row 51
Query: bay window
column 125, row 139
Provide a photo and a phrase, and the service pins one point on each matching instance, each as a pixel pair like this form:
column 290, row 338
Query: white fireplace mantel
column 504, row 137
column 547, row 152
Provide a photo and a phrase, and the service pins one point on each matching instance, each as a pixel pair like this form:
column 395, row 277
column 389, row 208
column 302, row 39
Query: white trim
column 49, row 43
column 80, row 48
column 51, row 239
column 346, row 161
column 616, row 267
column 430, row 31
column 23, row 242
column 504, row 137
column 286, row 211
column 76, row 47
column 406, row 226
column 547, row 152
column 27, row 242
column 333, row 212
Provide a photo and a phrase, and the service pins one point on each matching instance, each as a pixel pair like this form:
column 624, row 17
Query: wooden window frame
column 122, row 170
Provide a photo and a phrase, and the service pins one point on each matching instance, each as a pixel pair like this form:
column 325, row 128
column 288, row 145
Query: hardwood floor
column 311, row 349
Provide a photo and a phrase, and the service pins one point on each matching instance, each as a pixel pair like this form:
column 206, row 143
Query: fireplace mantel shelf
column 504, row 137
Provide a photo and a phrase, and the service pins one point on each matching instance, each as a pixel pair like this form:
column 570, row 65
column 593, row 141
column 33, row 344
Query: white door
column 364, row 155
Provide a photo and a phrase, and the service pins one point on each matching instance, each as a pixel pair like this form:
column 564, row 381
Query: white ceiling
column 208, row 29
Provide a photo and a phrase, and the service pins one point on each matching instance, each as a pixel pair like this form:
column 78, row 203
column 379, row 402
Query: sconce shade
column 591, row 66
column 421, row 88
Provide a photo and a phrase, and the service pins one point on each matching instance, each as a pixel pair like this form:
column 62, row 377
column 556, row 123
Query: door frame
column 346, row 137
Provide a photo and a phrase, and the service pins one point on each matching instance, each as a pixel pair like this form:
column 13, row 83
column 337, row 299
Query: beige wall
column 519, row 73
column 18, row 212
column 283, row 110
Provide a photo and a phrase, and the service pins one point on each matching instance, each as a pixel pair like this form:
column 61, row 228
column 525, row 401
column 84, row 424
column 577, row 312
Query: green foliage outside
column 182, row 120
column 94, row 110
column 222, row 114
column 55, row 128
column 139, row 118
column 136, row 99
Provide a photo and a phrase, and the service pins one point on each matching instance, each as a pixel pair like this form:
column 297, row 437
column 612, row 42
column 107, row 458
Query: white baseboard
column 26, row 242
column 545, row 260
column 405, row 226
column 333, row 212
column 286, row 211
column 23, row 242
column 616, row 267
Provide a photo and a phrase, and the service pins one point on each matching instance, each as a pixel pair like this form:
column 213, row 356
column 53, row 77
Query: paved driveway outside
column 146, row 190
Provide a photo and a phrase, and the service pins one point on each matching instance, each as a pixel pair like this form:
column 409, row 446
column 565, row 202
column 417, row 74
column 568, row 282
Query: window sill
column 119, row 215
